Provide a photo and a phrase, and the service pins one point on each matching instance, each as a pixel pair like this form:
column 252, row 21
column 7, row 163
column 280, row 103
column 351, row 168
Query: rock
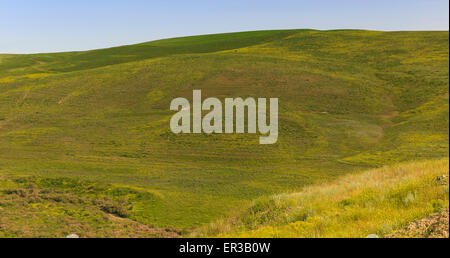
column 441, row 178
column 372, row 236
column 72, row 236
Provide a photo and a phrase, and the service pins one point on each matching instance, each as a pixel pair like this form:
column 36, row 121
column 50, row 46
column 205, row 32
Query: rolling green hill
column 348, row 100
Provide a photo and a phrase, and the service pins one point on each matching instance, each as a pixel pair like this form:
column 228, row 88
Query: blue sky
column 63, row 25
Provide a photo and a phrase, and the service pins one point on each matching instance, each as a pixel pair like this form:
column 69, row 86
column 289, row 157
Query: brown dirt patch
column 434, row 226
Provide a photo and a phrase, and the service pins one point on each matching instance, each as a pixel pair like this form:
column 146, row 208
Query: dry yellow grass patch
column 375, row 202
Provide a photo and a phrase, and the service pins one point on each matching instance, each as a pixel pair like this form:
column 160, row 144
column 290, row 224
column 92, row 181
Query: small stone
column 372, row 236
column 72, row 236
column 441, row 178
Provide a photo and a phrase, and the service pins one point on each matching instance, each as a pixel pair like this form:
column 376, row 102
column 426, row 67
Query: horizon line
column 210, row 34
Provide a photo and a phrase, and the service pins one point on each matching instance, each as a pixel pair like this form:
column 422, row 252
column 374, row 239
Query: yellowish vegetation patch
column 28, row 135
column 6, row 80
column 375, row 202
column 37, row 75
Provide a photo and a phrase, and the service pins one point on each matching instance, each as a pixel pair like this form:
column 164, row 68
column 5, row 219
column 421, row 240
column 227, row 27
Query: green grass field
column 85, row 143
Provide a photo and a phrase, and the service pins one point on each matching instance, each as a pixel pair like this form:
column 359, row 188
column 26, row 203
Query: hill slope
column 349, row 100
column 374, row 202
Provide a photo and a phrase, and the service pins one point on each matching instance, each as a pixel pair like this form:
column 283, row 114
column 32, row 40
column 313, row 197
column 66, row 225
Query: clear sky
column 30, row 26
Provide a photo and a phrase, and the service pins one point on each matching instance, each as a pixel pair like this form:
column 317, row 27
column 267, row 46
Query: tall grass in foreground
column 375, row 202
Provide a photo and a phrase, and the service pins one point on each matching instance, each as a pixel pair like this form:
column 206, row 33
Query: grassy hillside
column 375, row 202
column 349, row 101
column 57, row 207
column 75, row 61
